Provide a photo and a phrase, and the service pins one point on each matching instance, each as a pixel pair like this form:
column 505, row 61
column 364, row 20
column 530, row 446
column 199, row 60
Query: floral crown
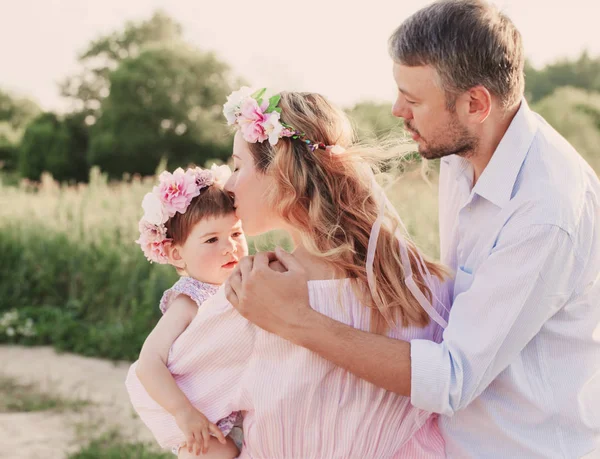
column 260, row 119
column 173, row 194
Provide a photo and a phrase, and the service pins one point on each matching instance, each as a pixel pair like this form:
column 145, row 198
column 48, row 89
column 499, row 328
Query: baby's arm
column 154, row 375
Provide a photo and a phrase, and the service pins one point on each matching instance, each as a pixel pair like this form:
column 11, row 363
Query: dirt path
column 51, row 435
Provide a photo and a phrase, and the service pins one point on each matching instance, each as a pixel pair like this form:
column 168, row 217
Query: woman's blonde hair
column 330, row 198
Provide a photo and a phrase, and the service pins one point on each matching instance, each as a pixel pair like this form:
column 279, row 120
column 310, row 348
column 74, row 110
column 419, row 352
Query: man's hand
column 275, row 301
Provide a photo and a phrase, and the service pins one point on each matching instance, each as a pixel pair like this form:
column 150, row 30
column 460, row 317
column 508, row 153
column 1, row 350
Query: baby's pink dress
column 295, row 403
column 158, row 420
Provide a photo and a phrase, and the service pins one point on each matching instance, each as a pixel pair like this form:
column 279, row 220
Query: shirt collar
column 498, row 179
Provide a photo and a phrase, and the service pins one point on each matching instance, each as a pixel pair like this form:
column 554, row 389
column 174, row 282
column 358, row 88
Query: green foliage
column 91, row 86
column 17, row 111
column 9, row 154
column 15, row 114
column 583, row 73
column 54, row 145
column 111, row 445
column 71, row 268
column 576, row 115
column 166, row 102
column 17, row 397
column 95, row 299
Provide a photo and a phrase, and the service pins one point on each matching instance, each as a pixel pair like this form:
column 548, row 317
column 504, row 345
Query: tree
column 15, row 114
column 576, row 115
column 583, row 73
column 165, row 102
column 54, row 145
column 91, row 86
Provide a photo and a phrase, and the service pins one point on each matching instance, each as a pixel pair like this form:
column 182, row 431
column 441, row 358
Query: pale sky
column 313, row 45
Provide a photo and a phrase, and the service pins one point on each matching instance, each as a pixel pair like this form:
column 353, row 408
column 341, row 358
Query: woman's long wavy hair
column 330, row 198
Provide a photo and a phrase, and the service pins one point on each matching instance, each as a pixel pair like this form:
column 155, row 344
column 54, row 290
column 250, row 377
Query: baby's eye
column 237, row 234
column 212, row 240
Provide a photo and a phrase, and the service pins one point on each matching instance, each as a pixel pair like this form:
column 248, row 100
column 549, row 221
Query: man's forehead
column 415, row 78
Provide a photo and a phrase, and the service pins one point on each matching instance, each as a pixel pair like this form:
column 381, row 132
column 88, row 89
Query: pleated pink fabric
column 295, row 403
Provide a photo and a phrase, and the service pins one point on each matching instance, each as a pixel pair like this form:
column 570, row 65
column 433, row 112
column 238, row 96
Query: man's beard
column 461, row 143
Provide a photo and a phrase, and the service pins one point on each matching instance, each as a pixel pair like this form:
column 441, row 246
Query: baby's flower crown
column 173, row 194
column 259, row 119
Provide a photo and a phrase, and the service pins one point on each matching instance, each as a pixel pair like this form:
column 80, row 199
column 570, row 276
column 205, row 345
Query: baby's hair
column 213, row 201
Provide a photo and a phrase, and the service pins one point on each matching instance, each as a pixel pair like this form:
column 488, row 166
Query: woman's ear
column 173, row 252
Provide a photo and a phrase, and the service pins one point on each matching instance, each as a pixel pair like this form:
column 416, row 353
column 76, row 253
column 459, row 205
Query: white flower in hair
column 154, row 211
column 337, row 150
column 273, row 127
column 231, row 109
column 221, row 173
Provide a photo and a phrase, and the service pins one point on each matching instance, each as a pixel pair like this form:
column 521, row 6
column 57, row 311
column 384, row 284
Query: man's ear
column 173, row 252
column 480, row 104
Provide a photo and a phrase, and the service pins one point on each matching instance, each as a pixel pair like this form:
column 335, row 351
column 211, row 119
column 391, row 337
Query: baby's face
column 213, row 248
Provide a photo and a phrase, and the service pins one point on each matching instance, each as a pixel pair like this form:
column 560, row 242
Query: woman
column 295, row 169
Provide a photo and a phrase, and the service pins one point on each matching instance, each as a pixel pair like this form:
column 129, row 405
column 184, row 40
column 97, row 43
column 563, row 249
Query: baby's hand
column 197, row 429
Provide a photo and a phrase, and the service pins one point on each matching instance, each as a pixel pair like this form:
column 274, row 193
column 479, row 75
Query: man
column 518, row 372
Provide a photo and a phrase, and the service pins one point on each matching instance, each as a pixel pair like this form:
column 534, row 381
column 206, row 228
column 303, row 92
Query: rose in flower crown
column 259, row 119
column 173, row 194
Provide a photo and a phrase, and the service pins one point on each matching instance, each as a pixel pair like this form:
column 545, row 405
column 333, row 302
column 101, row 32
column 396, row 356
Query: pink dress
column 156, row 418
column 295, row 403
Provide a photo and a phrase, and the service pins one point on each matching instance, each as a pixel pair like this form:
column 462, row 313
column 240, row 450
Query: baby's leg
column 216, row 450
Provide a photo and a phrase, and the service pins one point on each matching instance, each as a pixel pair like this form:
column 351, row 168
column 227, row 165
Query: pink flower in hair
column 151, row 240
column 152, row 232
column 153, row 250
column 176, row 190
column 287, row 132
column 251, row 121
column 202, row 177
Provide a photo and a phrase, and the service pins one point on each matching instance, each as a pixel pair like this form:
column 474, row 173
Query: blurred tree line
column 144, row 95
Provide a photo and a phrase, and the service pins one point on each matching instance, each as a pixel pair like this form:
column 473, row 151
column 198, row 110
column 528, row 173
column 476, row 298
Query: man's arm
column 278, row 302
column 528, row 276
column 378, row 359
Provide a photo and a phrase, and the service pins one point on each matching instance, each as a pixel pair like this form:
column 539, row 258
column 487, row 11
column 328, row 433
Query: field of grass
column 72, row 276
column 17, row 397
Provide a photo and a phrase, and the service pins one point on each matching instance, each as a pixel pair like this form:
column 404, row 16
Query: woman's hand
column 197, row 430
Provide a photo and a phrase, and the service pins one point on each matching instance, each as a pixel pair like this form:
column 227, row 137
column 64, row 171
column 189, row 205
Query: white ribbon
column 404, row 257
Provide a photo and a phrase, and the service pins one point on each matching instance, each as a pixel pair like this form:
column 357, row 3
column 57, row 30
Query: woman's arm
column 154, row 375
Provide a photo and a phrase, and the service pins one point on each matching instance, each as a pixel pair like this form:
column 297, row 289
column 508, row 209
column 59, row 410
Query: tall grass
column 69, row 262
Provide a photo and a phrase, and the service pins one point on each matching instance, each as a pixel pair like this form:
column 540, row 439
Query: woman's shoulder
column 337, row 299
column 198, row 291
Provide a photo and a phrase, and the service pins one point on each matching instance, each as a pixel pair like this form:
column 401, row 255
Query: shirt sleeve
column 528, row 277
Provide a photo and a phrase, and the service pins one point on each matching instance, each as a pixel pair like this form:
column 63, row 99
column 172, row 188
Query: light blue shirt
column 518, row 372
